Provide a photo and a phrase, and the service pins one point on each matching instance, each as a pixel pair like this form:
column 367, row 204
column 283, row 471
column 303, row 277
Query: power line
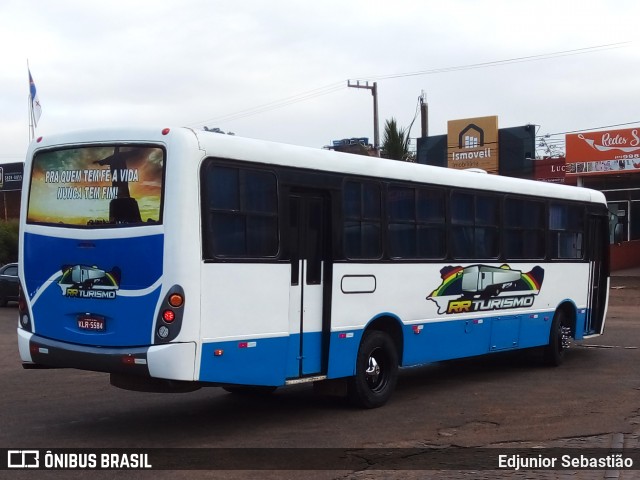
column 284, row 102
column 497, row 63
column 336, row 86
column 589, row 129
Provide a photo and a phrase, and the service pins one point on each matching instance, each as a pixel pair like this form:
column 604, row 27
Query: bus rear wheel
column 554, row 352
column 376, row 371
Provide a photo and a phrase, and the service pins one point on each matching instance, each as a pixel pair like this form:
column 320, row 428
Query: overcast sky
column 230, row 64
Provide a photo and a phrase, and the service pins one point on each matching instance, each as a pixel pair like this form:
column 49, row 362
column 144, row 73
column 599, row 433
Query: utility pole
column 424, row 115
column 374, row 92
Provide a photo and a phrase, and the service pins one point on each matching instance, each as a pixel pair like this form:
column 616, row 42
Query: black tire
column 376, row 371
column 553, row 355
column 254, row 390
column 3, row 302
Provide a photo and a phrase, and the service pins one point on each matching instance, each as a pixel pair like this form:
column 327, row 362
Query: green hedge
column 8, row 241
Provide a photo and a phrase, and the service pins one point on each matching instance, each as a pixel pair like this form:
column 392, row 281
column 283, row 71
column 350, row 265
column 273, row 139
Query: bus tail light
column 176, row 300
column 169, row 320
column 23, row 310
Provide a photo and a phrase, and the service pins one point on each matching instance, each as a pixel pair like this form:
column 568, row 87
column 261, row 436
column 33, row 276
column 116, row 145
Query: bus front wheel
column 376, row 371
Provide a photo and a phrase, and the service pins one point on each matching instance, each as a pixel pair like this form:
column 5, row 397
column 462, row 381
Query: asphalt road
column 507, row 400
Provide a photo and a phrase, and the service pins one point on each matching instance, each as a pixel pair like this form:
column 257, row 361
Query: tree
column 395, row 143
column 8, row 241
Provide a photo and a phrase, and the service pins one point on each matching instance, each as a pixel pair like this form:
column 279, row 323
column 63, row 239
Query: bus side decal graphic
column 484, row 288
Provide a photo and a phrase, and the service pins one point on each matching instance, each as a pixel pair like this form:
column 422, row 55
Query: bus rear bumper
column 174, row 361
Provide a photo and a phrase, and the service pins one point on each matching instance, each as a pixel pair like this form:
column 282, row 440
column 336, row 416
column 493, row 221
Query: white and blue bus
column 176, row 258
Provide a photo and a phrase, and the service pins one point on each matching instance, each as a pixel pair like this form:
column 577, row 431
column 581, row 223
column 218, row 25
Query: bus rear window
column 97, row 186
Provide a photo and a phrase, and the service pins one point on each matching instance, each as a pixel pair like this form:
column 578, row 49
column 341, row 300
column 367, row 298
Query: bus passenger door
column 310, row 264
column 597, row 243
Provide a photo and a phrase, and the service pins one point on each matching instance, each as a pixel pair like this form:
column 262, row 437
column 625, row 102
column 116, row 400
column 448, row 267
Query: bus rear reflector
column 165, row 131
column 35, row 349
column 131, row 360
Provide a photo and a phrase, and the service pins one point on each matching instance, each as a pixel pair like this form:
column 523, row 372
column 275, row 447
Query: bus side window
column 524, row 229
column 240, row 218
column 474, row 226
column 416, row 223
column 362, row 212
column 566, row 231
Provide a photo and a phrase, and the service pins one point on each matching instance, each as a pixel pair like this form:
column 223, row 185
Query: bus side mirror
column 618, row 233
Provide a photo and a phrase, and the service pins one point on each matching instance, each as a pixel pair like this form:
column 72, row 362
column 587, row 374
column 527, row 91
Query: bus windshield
column 97, row 186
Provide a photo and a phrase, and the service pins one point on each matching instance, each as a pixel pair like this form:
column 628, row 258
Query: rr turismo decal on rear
column 81, row 281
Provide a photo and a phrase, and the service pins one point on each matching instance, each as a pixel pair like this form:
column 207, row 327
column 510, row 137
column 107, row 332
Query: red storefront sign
column 550, row 170
column 610, row 151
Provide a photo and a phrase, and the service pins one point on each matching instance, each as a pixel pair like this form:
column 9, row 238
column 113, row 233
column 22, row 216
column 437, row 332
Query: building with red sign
column 609, row 161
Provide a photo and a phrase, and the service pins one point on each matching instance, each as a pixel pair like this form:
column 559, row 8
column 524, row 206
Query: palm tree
column 395, row 143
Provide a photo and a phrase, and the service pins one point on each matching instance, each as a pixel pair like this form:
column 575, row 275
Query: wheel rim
column 565, row 337
column 376, row 371
column 559, row 339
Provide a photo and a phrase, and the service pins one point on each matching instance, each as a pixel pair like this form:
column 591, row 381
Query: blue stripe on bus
column 343, row 350
column 432, row 342
column 261, row 361
column 139, row 258
column 437, row 341
column 128, row 320
column 128, row 310
column 271, row 361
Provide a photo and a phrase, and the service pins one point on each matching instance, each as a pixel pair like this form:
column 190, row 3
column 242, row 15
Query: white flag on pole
column 36, row 109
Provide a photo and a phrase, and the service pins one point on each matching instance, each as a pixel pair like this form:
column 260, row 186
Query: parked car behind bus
column 8, row 284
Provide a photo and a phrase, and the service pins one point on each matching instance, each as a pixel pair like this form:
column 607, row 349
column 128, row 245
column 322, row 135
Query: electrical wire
column 589, row 129
column 497, row 63
column 284, row 102
column 336, row 86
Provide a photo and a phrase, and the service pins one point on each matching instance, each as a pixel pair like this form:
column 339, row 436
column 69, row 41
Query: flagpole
column 30, row 107
column 30, row 112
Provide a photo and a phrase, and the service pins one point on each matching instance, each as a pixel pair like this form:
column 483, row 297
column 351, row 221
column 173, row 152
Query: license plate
column 94, row 324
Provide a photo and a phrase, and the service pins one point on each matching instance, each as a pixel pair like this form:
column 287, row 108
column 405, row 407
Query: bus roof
column 261, row 151
column 316, row 159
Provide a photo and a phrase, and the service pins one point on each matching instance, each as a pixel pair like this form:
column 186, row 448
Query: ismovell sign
column 610, row 151
column 473, row 143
